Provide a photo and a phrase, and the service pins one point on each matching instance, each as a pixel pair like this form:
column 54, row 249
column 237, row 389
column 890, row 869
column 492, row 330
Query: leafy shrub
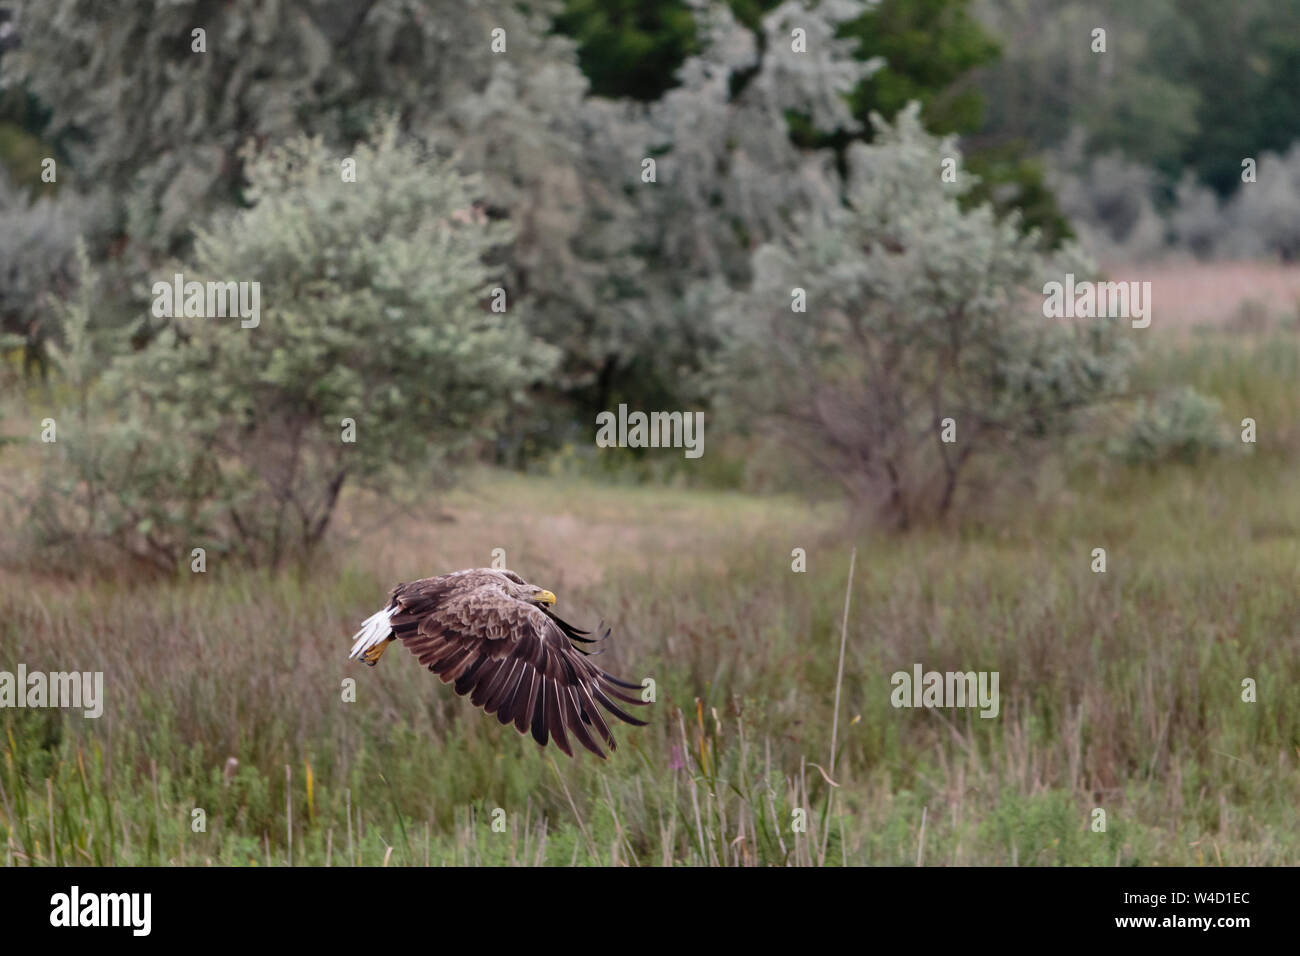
column 233, row 438
column 1180, row 425
column 1264, row 216
column 37, row 238
column 916, row 313
column 1109, row 202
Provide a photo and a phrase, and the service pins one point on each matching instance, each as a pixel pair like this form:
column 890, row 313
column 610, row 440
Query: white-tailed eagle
column 492, row 635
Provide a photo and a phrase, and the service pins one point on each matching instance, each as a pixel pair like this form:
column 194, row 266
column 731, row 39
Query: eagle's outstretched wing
column 511, row 658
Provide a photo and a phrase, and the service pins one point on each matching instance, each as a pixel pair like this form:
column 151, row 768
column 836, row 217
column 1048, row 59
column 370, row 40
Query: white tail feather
column 374, row 630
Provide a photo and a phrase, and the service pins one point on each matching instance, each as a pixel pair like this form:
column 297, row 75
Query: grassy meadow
column 1121, row 691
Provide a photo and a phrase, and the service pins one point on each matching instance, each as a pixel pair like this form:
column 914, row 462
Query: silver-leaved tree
column 374, row 350
column 897, row 339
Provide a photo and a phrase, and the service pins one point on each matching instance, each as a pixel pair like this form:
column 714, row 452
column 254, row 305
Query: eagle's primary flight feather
column 492, row 635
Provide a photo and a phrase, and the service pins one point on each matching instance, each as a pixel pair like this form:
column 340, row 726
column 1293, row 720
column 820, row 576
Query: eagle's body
column 491, row 634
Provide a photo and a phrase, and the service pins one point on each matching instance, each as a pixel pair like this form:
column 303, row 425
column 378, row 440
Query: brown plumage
column 492, row 636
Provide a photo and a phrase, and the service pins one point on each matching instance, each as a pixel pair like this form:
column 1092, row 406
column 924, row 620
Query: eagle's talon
column 372, row 655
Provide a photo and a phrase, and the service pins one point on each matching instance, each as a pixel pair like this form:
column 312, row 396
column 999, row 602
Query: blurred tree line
column 150, row 132
column 627, row 176
column 1184, row 86
column 1147, row 140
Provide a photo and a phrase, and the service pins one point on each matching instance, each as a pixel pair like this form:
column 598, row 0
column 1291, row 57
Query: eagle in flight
column 493, row 636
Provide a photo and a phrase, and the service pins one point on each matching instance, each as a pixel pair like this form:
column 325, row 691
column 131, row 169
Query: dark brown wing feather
column 511, row 658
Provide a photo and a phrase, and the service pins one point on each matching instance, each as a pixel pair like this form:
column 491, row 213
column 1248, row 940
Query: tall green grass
column 1119, row 691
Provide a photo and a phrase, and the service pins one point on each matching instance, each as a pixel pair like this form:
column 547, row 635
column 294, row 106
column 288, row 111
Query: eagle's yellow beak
column 546, row 597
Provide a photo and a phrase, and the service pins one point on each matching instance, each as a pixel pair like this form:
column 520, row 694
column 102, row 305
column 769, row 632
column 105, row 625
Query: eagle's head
column 540, row 596
column 521, row 590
